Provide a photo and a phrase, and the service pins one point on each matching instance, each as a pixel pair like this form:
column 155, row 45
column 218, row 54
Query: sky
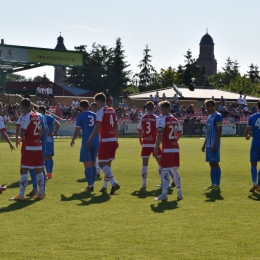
column 168, row 27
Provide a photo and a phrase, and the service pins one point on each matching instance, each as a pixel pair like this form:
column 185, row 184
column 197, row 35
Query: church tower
column 206, row 56
column 59, row 72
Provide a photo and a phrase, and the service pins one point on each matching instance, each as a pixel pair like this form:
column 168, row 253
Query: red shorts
column 147, row 151
column 170, row 160
column 107, row 151
column 32, row 159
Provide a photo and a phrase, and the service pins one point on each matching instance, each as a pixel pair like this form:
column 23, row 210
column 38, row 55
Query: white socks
column 165, row 180
column 144, row 174
column 177, row 180
column 40, row 182
column 23, row 184
column 108, row 176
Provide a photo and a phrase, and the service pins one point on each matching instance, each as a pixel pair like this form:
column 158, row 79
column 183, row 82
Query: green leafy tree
column 15, row 77
column 253, row 73
column 230, row 71
column 147, row 70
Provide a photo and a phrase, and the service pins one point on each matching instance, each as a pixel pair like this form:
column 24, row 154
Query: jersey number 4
column 257, row 123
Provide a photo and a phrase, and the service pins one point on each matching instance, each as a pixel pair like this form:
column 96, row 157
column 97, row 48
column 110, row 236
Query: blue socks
column 33, row 177
column 89, row 176
column 49, row 165
column 218, row 175
column 259, row 178
column 213, row 177
column 94, row 173
column 254, row 174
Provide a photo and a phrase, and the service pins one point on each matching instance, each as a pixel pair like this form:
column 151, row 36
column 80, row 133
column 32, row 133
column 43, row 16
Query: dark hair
column 42, row 108
column 100, row 96
column 165, row 105
column 93, row 104
column 50, row 85
column 210, row 102
column 84, row 103
column 26, row 102
column 149, row 105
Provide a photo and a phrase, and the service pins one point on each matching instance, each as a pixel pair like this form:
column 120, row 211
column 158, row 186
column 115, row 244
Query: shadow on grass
column 213, row 196
column 84, row 180
column 17, row 205
column 143, row 193
column 163, row 206
column 16, row 185
column 86, row 195
column 254, row 196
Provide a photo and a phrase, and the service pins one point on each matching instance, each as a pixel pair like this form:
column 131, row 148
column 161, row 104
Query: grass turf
column 71, row 224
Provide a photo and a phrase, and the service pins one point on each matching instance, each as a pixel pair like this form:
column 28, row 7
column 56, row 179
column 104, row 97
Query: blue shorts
column 254, row 154
column 88, row 154
column 212, row 157
column 49, row 151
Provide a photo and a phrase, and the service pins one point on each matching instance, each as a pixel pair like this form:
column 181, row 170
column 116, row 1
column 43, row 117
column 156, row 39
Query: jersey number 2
column 37, row 128
column 172, row 134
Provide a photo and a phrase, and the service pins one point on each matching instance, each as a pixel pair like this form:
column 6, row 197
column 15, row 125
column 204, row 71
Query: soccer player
column 147, row 133
column 5, row 136
column 254, row 125
column 86, row 123
column 32, row 157
column 49, row 151
column 106, row 125
column 212, row 144
column 94, row 109
column 169, row 132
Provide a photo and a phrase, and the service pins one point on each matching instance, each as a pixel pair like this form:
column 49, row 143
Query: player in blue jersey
column 86, row 123
column 254, row 125
column 212, row 144
column 53, row 128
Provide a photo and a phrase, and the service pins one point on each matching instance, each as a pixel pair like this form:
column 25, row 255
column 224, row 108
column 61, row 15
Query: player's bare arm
column 95, row 131
column 17, row 135
column 204, row 145
column 57, row 127
column 75, row 134
column 219, row 129
column 178, row 135
column 6, row 137
column 140, row 137
column 158, row 142
column 246, row 133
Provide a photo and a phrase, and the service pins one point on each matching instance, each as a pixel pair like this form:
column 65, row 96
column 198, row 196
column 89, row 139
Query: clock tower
column 206, row 56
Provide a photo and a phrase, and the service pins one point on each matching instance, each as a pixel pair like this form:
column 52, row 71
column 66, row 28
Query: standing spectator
column 47, row 104
column 74, row 103
column 190, row 109
column 39, row 101
column 108, row 97
column 69, row 111
column 58, row 111
column 39, row 91
column 152, row 98
column 25, row 93
column 124, row 105
column 244, row 99
column 240, row 101
column 64, row 110
column 212, row 98
column 156, row 98
column 246, row 110
column 50, row 93
column 44, row 92
column 164, row 97
column 222, row 101
column 175, row 99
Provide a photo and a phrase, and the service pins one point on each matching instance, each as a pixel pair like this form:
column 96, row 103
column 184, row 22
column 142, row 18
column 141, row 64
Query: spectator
column 244, row 99
column 39, row 91
column 69, row 111
column 221, row 109
column 25, row 93
column 203, row 109
column 74, row 103
column 6, row 118
column 164, row 97
column 254, row 110
column 64, row 110
column 58, row 111
column 44, row 92
column 183, row 110
column 187, row 120
column 126, row 94
column 226, row 111
column 50, row 94
column 39, row 101
column 47, row 104
column 212, row 98
column 109, row 98
column 175, row 99
column 133, row 114
column 152, row 98
column 156, row 98
column 240, row 101
column 124, row 105
column 246, row 110
column 190, row 109
column 222, row 101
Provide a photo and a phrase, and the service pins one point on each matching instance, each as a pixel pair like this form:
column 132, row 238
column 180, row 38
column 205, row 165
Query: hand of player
column 12, row 147
column 17, row 143
column 72, row 143
column 203, row 148
column 214, row 149
column 88, row 143
column 50, row 134
column 155, row 152
column 247, row 137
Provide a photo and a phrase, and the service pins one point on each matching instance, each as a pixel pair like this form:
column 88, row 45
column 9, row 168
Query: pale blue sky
column 169, row 27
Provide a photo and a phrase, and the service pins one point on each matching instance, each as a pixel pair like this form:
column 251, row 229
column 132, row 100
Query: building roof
column 206, row 40
column 77, row 91
column 60, row 44
column 200, row 93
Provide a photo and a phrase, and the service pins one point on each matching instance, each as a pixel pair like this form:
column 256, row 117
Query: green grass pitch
column 71, row 224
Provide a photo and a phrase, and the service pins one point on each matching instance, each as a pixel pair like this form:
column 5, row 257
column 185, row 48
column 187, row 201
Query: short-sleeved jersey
column 18, row 122
column 212, row 124
column 106, row 116
column 50, row 121
column 148, row 124
column 170, row 126
column 86, row 122
column 254, row 123
column 31, row 125
column 2, row 125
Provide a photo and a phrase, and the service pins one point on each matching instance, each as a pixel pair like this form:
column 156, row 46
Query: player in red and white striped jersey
column 169, row 132
column 147, row 133
column 106, row 126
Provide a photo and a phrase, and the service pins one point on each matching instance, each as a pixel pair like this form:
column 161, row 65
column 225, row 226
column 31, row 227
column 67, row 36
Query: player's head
column 210, row 106
column 100, row 99
column 150, row 106
column 25, row 105
column 84, row 105
column 165, row 107
column 42, row 109
column 93, row 107
column 258, row 104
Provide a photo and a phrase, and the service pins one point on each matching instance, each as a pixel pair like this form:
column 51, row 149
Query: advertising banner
column 10, row 53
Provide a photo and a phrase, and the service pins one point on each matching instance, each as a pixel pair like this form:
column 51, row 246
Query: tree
column 147, row 70
column 231, row 71
column 15, row 77
column 253, row 73
column 41, row 78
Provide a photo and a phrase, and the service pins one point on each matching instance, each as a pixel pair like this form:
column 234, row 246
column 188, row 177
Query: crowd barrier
column 67, row 128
